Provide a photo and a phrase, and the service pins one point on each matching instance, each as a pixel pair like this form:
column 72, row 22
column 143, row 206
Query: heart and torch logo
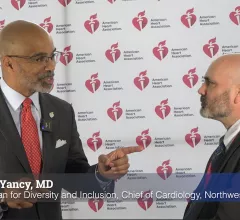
column 144, row 139
column 189, row 19
column 165, row 170
column 115, row 112
column 95, row 142
column 140, row 22
column 93, row 83
column 191, row 78
column 193, row 138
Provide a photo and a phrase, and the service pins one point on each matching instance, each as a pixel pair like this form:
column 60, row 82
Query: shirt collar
column 231, row 133
column 15, row 99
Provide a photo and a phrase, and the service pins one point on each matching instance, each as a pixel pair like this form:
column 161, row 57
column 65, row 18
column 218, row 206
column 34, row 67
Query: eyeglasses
column 41, row 59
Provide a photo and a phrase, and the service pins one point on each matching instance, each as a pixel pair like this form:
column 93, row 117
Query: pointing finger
column 104, row 159
column 130, row 150
column 120, row 162
column 26, row 204
column 116, row 155
column 120, row 168
column 121, row 152
column 19, row 204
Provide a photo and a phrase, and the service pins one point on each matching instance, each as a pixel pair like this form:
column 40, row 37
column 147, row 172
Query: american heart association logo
column 47, row 25
column 140, row 22
column 18, row 4
column 64, row 3
column 142, row 81
column 235, row 16
column 193, row 138
column 95, row 204
column 191, row 78
column 211, row 48
column 189, row 19
column 93, row 84
column 92, row 24
column 66, row 56
column 111, row 1
column 163, row 110
column 113, row 54
column 161, row 51
column 146, row 201
column 95, row 142
column 144, row 139
column 165, row 170
column 115, row 112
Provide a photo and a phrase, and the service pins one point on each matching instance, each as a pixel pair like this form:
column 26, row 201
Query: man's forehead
column 24, row 38
column 33, row 48
column 43, row 53
column 211, row 72
column 220, row 71
column 224, row 69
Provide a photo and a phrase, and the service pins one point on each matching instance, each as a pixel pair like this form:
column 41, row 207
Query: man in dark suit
column 220, row 100
column 38, row 132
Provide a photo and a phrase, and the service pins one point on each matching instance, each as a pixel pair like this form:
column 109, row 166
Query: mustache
column 203, row 99
column 47, row 74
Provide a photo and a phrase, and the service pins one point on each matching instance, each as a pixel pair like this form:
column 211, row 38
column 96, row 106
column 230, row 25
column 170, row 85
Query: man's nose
column 202, row 89
column 50, row 65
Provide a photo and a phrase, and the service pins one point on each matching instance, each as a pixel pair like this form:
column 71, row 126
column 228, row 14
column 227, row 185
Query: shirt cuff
column 104, row 182
column 3, row 208
column 3, row 205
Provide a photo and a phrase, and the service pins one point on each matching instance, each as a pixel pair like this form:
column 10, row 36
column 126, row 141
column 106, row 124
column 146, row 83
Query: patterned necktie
column 216, row 160
column 218, row 156
column 214, row 164
column 30, row 137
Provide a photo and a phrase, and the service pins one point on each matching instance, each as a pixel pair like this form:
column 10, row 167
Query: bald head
column 220, row 93
column 228, row 67
column 27, row 57
column 21, row 38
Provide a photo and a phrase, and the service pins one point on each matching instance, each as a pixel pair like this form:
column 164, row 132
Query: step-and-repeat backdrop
column 132, row 70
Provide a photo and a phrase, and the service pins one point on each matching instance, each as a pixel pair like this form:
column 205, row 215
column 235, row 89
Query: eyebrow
column 42, row 53
column 208, row 79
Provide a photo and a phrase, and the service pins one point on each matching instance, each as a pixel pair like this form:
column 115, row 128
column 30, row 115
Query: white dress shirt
column 14, row 101
column 231, row 134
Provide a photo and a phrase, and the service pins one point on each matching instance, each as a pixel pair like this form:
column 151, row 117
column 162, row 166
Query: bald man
column 220, row 100
column 38, row 132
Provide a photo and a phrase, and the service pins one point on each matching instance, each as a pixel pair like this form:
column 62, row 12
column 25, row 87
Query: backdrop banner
column 132, row 69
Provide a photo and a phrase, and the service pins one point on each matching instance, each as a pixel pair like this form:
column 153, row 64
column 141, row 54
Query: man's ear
column 7, row 63
column 237, row 96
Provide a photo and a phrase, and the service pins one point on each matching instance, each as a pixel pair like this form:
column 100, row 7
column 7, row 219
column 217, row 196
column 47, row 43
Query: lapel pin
column 51, row 114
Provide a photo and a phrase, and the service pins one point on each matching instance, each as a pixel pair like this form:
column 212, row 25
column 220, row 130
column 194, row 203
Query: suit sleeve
column 198, row 189
column 79, row 175
column 229, row 210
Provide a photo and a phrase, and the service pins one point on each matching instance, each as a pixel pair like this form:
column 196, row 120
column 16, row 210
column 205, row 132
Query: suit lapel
column 49, row 139
column 10, row 133
column 235, row 144
column 200, row 186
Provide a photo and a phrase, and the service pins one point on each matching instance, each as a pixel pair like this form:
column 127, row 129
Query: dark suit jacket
column 218, row 210
column 67, row 159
